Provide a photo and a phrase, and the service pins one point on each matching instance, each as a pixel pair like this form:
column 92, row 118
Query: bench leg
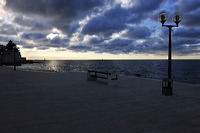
column 88, row 75
column 90, row 78
column 108, row 79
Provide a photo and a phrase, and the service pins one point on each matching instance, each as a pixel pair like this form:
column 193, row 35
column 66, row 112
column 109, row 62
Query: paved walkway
column 37, row 102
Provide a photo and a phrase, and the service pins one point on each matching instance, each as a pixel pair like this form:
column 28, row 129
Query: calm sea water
column 185, row 71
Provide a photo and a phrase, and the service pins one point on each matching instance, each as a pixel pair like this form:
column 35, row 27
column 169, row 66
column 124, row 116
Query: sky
column 99, row 29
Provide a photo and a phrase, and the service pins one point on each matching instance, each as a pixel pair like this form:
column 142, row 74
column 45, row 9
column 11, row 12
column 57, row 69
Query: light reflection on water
column 182, row 70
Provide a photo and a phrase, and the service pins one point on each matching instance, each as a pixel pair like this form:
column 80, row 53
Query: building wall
column 8, row 58
column 2, row 49
column 1, row 59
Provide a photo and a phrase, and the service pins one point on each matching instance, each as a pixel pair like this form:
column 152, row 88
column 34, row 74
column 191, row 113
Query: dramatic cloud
column 67, row 10
column 80, row 48
column 100, row 26
column 144, row 6
column 117, row 18
column 192, row 18
column 190, row 10
column 29, row 23
column 8, row 29
column 185, row 41
column 139, row 32
column 117, row 46
column 96, row 40
column 188, row 33
column 32, row 36
column 113, row 20
column 56, row 13
column 188, row 5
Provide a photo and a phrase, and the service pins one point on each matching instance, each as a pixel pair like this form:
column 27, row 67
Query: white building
column 2, row 49
column 7, row 56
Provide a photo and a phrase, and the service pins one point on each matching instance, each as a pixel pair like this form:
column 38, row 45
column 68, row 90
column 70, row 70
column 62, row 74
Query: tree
column 11, row 46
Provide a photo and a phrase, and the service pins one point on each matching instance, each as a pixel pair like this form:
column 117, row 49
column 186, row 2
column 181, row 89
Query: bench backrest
column 99, row 72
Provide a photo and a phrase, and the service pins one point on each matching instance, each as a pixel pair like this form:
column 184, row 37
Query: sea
column 183, row 71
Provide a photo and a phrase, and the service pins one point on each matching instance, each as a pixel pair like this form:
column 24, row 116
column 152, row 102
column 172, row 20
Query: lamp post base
column 167, row 87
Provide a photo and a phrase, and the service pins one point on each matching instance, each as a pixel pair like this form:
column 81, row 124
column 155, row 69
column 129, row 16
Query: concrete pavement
column 41, row 102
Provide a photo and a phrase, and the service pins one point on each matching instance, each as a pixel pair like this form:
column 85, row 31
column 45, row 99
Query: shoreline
column 46, row 71
column 183, row 71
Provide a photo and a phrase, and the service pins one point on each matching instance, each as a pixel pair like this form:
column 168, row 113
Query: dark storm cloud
column 144, row 6
column 4, row 39
column 151, row 46
column 192, row 18
column 8, row 29
column 186, row 50
column 61, row 14
column 116, row 19
column 80, row 48
column 118, row 43
column 190, row 10
column 188, row 5
column 56, row 42
column 37, row 18
column 183, row 41
column 180, row 46
column 27, row 45
column 66, row 9
column 117, row 46
column 1, row 20
column 96, row 40
column 33, row 36
column 111, row 21
column 33, row 24
column 138, row 32
column 42, row 43
column 187, row 32
column 59, row 42
column 20, row 20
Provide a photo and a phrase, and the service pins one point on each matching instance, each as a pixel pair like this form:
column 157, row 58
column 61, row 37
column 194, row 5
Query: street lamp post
column 167, row 83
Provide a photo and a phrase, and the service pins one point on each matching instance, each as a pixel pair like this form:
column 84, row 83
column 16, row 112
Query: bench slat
column 99, row 72
column 114, row 78
column 98, row 76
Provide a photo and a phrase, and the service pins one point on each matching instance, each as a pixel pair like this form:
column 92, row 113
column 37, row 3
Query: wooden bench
column 93, row 75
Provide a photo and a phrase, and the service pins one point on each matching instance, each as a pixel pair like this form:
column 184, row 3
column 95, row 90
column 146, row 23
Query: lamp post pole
column 167, row 83
column 170, row 50
column 170, row 57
